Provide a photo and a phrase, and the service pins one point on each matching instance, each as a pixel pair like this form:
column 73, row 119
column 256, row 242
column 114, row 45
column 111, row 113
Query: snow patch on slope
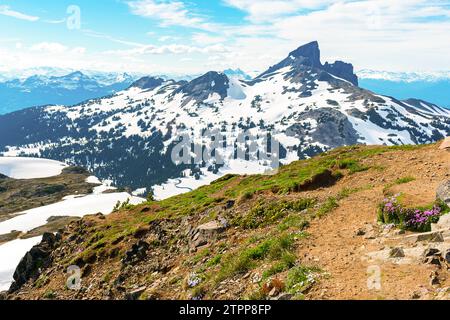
column 11, row 253
column 30, row 168
column 72, row 207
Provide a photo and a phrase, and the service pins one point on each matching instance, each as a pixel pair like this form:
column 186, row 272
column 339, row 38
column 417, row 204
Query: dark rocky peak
column 307, row 58
column 202, row 87
column 308, row 55
column 148, row 83
column 342, row 70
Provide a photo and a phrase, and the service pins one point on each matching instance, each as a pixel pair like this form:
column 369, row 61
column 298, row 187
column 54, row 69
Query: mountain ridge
column 129, row 137
column 68, row 89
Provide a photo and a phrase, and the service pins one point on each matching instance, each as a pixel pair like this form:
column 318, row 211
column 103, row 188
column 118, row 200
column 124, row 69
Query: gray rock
column 397, row 253
column 207, row 232
column 34, row 261
column 202, row 87
column 285, row 296
column 137, row 252
column 433, row 260
column 443, row 192
column 342, row 70
column 431, row 236
column 434, row 279
column 149, row 83
column 135, row 294
column 443, row 223
column 431, row 252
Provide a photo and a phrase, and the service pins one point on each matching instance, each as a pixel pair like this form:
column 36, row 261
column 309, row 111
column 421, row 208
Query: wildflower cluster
column 421, row 220
column 391, row 211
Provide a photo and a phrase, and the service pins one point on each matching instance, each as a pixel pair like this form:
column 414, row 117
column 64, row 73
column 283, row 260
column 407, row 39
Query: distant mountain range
column 433, row 87
column 48, row 86
column 22, row 89
column 307, row 105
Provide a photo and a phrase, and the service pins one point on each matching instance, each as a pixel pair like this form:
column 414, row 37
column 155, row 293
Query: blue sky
column 162, row 36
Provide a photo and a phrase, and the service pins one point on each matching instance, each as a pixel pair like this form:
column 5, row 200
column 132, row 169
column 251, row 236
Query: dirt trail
column 335, row 247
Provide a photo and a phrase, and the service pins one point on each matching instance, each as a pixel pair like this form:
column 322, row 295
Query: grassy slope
column 270, row 216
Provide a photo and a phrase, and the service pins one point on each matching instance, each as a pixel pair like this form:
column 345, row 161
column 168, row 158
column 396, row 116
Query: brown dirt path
column 335, row 248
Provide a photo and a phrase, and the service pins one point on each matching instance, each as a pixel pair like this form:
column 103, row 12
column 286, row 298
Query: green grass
column 200, row 256
column 294, row 221
column 404, row 180
column 347, row 192
column 264, row 213
column 247, row 259
column 352, row 165
column 49, row 294
column 287, row 179
column 299, row 279
column 287, row 261
column 214, row 261
column 329, row 205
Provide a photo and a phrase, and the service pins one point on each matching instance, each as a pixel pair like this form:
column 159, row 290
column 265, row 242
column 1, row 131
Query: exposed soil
column 335, row 247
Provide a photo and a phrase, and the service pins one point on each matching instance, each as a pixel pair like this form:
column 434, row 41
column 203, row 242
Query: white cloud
column 382, row 34
column 169, row 49
column 60, row 21
column 7, row 11
column 267, row 10
column 167, row 38
column 168, row 13
column 95, row 34
column 55, row 48
column 79, row 50
column 207, row 39
column 50, row 47
column 395, row 35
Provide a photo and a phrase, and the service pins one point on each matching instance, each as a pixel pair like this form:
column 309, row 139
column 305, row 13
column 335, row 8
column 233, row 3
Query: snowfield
column 30, row 168
column 11, row 252
column 71, row 206
column 10, row 255
column 74, row 206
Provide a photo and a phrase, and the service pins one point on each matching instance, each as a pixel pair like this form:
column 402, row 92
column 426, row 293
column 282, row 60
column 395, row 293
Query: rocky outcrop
column 308, row 56
column 443, row 192
column 148, row 83
column 35, row 260
column 342, row 70
column 201, row 88
column 204, row 234
column 443, row 223
column 333, row 128
column 137, row 253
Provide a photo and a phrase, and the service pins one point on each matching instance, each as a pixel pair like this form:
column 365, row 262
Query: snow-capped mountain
column 307, row 106
column 403, row 76
column 430, row 86
column 53, row 86
column 22, row 74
